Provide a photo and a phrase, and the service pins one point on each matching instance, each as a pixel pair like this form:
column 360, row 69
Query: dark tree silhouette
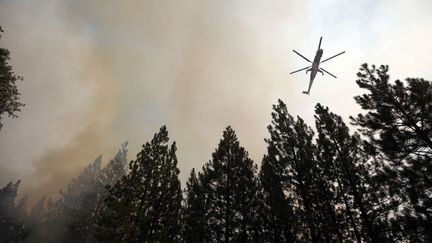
column 145, row 205
column 350, row 169
column 194, row 214
column 9, row 95
column 278, row 218
column 230, row 195
column 325, row 186
column 36, row 222
column 13, row 215
column 398, row 121
column 73, row 217
column 290, row 177
column 398, row 127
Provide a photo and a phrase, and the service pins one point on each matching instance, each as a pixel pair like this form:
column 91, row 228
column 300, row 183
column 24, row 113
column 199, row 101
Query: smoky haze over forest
column 118, row 71
column 180, row 64
column 97, row 75
column 312, row 186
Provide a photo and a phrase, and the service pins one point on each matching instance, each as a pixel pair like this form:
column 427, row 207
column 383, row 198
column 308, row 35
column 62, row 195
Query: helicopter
column 315, row 67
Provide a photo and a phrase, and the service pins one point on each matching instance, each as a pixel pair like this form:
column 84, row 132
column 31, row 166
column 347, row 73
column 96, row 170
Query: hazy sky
column 98, row 73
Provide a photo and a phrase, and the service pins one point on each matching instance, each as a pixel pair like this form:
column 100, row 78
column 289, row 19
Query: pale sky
column 98, row 73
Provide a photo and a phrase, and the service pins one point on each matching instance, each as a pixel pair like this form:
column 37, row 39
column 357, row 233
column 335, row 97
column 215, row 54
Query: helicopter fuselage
column 315, row 65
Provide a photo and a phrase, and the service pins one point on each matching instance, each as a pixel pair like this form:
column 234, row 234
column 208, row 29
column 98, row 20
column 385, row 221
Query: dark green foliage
column 398, row 121
column 292, row 185
column 12, row 214
column 279, row 222
column 73, row 217
column 78, row 204
column 349, row 168
column 328, row 186
column 35, row 222
column 145, row 205
column 278, row 217
column 194, row 214
column 398, row 126
column 225, row 198
column 9, row 95
column 115, row 169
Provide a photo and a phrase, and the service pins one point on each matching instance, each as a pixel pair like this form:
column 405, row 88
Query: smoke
column 98, row 74
column 54, row 169
column 70, row 95
column 196, row 67
column 122, row 70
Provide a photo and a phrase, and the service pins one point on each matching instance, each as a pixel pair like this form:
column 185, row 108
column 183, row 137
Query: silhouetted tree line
column 322, row 185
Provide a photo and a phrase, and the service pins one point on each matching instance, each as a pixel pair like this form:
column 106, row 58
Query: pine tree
column 116, row 167
column 36, row 218
column 9, row 95
column 72, row 217
column 289, row 176
column 109, row 175
column 341, row 207
column 194, row 214
column 12, row 214
column 398, row 127
column 348, row 167
column 66, row 219
column 145, row 205
column 230, row 194
column 278, row 216
column 279, row 226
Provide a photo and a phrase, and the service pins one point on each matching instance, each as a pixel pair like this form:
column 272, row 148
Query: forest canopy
column 321, row 184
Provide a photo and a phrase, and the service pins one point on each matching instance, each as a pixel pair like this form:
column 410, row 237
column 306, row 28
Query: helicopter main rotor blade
column 328, row 72
column 300, row 69
column 319, row 45
column 333, row 56
column 301, row 55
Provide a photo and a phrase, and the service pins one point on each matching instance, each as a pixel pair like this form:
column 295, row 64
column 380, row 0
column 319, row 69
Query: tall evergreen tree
column 66, row 216
column 36, row 221
column 343, row 214
column 348, row 167
column 194, row 214
column 230, row 194
column 12, row 214
column 278, row 218
column 109, row 175
column 73, row 217
column 290, row 177
column 116, row 167
column 398, row 127
column 145, row 205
